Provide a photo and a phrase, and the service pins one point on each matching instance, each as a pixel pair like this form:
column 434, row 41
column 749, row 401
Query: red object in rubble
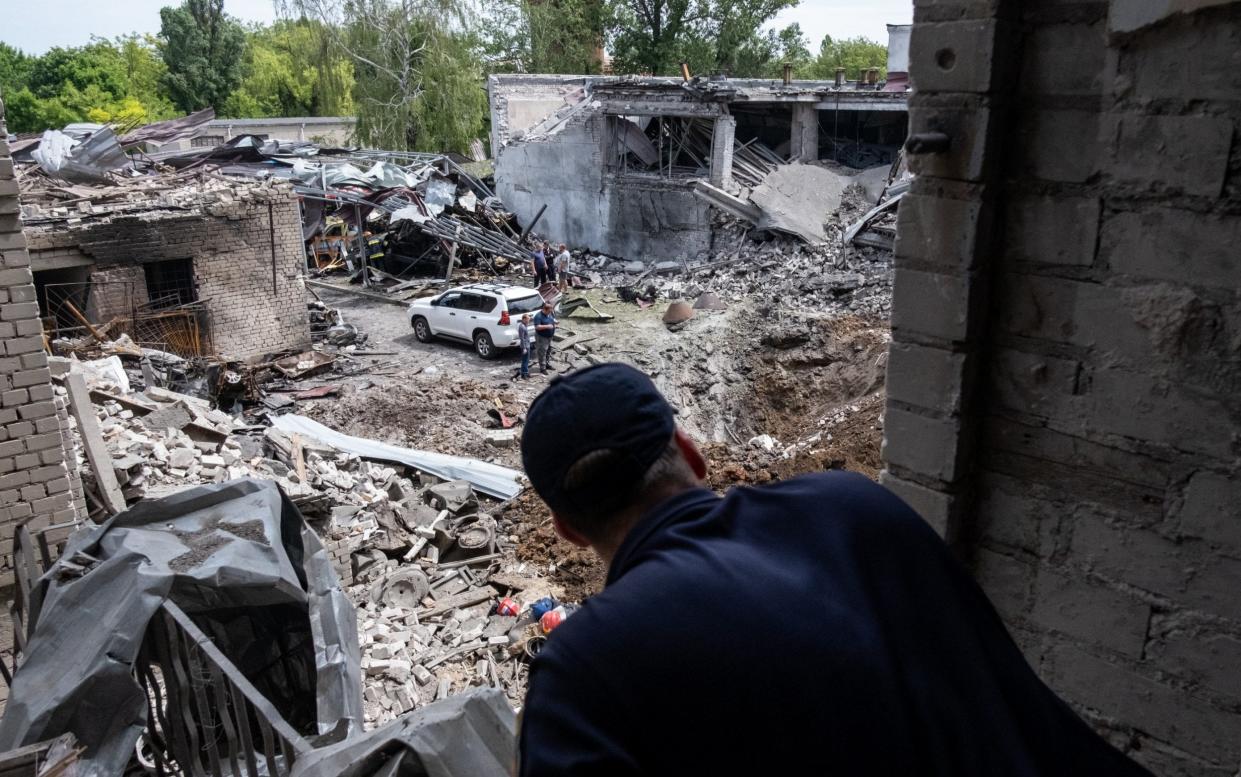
column 551, row 619
column 507, row 607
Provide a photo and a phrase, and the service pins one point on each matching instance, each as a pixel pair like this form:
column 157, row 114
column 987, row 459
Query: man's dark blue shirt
column 815, row 626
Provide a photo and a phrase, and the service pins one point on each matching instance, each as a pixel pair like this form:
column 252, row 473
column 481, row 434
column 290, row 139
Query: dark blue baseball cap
column 611, row 407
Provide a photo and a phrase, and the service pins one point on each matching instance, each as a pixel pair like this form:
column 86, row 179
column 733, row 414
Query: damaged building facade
column 1064, row 377
column 39, row 488
column 194, row 269
column 611, row 164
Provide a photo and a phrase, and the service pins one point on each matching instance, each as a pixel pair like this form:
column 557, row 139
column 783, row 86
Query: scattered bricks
column 1169, row 714
column 380, row 650
column 1186, row 153
column 1052, row 230
column 1068, row 603
column 501, row 438
column 1209, row 510
column 422, row 675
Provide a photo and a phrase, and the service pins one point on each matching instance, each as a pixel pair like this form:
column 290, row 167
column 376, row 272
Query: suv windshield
column 525, row 304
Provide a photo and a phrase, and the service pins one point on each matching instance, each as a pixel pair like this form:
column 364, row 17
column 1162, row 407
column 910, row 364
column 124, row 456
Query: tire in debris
column 484, row 346
column 422, row 330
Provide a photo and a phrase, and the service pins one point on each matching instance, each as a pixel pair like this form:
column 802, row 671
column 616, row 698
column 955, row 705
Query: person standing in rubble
column 523, row 339
column 562, row 267
column 544, row 329
column 538, row 260
column 814, row 626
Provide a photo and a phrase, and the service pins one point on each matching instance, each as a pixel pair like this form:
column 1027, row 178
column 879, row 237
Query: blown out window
column 170, row 283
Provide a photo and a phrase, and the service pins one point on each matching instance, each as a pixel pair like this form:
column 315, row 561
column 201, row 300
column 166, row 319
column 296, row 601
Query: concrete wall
column 36, row 487
column 1065, row 374
column 637, row 217
column 231, row 245
column 328, row 130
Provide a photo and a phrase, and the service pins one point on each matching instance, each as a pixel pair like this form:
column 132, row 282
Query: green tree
column 418, row 79
column 855, row 55
column 203, row 49
column 544, row 36
column 711, row 36
column 290, row 71
column 15, row 69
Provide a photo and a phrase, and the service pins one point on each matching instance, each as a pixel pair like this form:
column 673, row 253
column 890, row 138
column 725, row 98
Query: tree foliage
column 855, row 55
column 418, row 78
column 103, row 81
column 544, row 36
column 290, row 70
column 202, row 47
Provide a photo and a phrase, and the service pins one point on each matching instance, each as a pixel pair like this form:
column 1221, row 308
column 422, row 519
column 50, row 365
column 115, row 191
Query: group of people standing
column 549, row 272
column 545, row 324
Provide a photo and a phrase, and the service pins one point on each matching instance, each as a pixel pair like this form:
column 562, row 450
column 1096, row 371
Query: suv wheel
column 422, row 330
column 484, row 346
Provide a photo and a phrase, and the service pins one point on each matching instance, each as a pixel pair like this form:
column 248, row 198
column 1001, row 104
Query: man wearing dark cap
column 814, row 626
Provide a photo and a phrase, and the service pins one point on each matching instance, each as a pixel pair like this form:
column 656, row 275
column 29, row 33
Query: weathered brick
column 1060, row 145
column 1168, row 713
column 1210, row 509
column 1207, row 658
column 932, row 304
column 1052, row 230
column 1066, row 602
column 1185, row 153
column 1064, row 59
column 930, row 446
column 939, row 231
column 933, row 378
column 1167, row 243
column 959, row 56
column 1007, row 582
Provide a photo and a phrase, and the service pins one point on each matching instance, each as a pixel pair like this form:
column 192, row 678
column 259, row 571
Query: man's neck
column 607, row 548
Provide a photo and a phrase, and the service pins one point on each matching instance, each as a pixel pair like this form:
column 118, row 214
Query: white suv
column 485, row 314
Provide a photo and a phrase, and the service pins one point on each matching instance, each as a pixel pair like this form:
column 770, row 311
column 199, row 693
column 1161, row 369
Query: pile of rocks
column 426, row 562
column 779, row 271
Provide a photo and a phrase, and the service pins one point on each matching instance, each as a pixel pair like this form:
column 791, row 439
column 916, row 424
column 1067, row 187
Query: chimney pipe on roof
column 685, row 72
column 788, row 74
column 840, row 77
column 872, row 76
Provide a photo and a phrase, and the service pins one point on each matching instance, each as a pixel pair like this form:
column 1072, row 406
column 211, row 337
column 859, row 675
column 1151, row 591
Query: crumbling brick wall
column 1065, row 372
column 36, row 487
column 247, row 254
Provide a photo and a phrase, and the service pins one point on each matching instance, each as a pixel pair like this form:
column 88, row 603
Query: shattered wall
column 247, row 255
column 36, row 487
column 1065, row 372
column 639, row 217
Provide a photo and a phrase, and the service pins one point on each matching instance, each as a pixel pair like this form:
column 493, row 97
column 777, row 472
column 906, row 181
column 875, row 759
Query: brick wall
column 36, row 488
column 1065, row 373
column 230, row 240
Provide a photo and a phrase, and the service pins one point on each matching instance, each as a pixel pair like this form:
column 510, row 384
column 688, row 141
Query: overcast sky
column 72, row 22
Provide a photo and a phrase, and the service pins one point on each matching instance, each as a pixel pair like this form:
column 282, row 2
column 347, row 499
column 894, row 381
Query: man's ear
column 567, row 533
column 693, row 456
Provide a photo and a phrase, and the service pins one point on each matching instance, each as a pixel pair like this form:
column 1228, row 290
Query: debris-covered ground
column 776, row 371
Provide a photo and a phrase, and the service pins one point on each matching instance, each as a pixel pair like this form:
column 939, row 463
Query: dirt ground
column 769, row 394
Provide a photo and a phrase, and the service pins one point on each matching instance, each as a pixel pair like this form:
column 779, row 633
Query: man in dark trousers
column 544, row 330
column 814, row 626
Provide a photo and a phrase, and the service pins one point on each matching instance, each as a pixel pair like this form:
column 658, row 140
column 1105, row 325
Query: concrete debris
column 797, row 199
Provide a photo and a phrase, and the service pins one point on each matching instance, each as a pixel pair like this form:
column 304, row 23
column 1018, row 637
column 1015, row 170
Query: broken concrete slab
column 797, row 199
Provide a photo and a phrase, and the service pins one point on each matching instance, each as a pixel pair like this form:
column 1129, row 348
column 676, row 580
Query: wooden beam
column 92, row 439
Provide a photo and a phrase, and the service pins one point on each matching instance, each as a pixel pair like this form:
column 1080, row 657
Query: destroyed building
column 1063, row 386
column 611, row 163
column 202, row 267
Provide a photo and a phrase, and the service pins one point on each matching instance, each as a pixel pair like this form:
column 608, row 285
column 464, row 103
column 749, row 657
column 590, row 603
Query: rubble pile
column 770, row 269
column 426, row 561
